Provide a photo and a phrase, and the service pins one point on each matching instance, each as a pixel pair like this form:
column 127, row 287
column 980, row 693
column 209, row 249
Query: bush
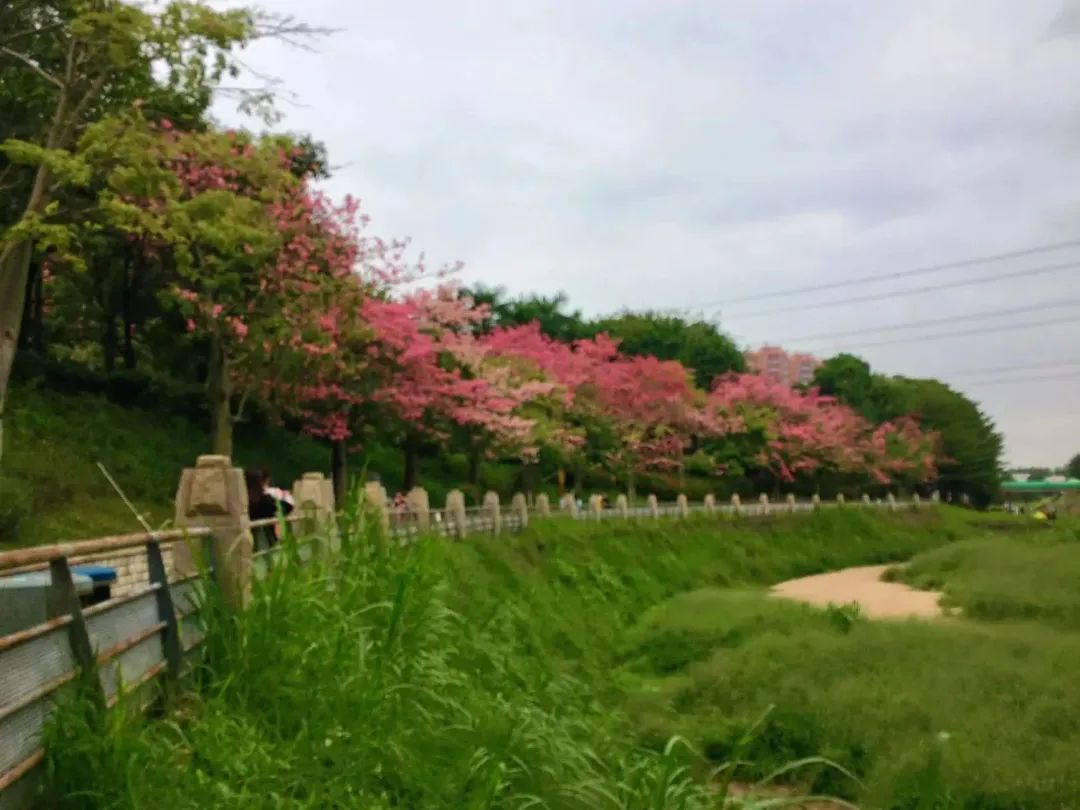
column 16, row 504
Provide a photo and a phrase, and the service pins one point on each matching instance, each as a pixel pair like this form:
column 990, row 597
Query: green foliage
column 971, row 448
column 1072, row 469
column 698, row 345
column 16, row 499
column 1002, row 580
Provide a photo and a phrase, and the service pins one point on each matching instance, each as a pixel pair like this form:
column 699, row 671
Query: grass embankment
column 454, row 675
column 957, row 713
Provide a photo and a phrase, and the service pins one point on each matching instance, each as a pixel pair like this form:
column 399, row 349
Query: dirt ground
column 863, row 585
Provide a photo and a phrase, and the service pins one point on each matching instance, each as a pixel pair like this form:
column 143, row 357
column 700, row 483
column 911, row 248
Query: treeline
column 147, row 248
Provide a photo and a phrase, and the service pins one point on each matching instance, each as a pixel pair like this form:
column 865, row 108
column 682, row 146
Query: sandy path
column 863, row 585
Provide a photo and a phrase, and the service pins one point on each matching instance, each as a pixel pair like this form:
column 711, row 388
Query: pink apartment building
column 777, row 364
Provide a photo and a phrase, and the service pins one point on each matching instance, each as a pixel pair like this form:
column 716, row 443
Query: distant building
column 776, row 364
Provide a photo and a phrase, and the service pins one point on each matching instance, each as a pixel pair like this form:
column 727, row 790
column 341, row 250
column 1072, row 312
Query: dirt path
column 863, row 585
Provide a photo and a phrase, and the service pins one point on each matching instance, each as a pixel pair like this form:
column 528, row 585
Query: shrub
column 16, row 504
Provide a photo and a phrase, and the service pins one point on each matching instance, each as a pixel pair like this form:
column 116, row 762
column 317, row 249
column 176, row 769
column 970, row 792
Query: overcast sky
column 666, row 154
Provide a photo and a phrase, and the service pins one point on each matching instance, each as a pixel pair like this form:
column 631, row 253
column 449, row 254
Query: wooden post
column 491, row 507
column 213, row 494
column 170, row 635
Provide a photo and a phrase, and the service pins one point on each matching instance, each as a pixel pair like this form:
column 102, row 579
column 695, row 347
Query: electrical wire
column 1044, row 377
column 1021, row 367
column 918, row 271
column 964, row 333
column 936, row 321
column 1032, row 271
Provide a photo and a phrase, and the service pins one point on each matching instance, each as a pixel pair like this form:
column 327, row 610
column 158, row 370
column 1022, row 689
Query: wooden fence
column 149, row 629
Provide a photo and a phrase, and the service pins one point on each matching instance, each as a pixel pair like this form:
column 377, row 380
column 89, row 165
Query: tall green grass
column 480, row 674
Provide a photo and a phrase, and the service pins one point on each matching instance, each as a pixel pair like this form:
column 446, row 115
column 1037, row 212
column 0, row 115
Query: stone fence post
column 376, row 500
column 569, row 504
column 790, row 501
column 839, row 498
column 456, row 517
column 709, row 503
column 520, row 507
column 815, row 501
column 763, row 499
column 543, row 505
column 213, row 494
column 654, row 505
column 866, row 501
column 596, row 506
column 494, row 513
column 916, row 501
column 419, row 509
column 313, row 495
column 736, row 504
column 935, row 497
column 890, row 499
column 682, row 506
column 622, row 506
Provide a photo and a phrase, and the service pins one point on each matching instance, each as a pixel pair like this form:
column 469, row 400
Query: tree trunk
column 631, row 487
column 217, row 387
column 339, row 471
column 126, row 307
column 108, row 344
column 412, row 461
column 474, row 464
column 15, row 263
column 30, row 331
column 528, row 479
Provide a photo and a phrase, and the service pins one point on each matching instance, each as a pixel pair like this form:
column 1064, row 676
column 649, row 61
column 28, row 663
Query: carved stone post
column 736, row 504
column 709, row 503
column 314, row 498
column 866, row 501
column 375, row 499
column 520, row 507
column 790, row 502
column 622, row 506
column 839, row 498
column 569, row 504
column 654, row 505
column 815, row 501
column 213, row 494
column 935, row 497
column 493, row 511
column 682, row 506
column 763, row 499
column 543, row 505
column 890, row 499
column 419, row 508
column 596, row 506
column 456, row 518
column 916, row 501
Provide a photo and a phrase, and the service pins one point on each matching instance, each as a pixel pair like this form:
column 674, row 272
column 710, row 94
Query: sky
column 677, row 154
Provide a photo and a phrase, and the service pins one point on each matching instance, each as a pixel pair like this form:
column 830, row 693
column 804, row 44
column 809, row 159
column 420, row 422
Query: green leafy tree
column 698, row 345
column 1072, row 469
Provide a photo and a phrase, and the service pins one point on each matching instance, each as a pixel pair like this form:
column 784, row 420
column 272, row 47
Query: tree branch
column 26, row 60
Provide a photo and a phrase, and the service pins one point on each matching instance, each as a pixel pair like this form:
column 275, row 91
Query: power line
column 918, row 271
column 1040, row 378
column 966, row 333
column 1021, row 367
column 994, row 313
column 1032, row 271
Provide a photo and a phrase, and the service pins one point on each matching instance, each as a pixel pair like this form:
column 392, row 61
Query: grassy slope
column 54, row 441
column 943, row 714
column 474, row 674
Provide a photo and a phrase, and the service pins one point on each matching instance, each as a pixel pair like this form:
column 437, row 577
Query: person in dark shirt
column 262, row 505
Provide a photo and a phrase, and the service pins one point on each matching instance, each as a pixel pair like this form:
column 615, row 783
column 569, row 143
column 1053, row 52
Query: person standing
column 264, row 503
